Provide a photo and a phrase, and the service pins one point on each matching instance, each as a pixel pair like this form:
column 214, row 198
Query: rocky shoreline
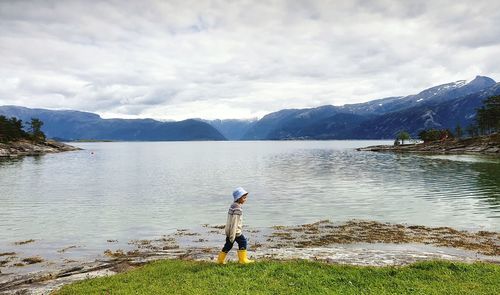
column 28, row 148
column 481, row 145
column 354, row 242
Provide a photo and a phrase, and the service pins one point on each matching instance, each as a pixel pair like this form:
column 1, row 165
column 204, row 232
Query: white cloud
column 236, row 59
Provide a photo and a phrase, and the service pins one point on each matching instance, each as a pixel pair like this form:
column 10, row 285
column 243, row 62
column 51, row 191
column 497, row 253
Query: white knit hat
column 238, row 193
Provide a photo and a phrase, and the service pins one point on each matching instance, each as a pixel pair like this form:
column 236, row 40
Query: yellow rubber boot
column 222, row 258
column 242, row 256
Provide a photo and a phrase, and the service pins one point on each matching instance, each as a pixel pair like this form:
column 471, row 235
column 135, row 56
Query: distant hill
column 315, row 123
column 442, row 106
column 270, row 123
column 232, row 129
column 75, row 125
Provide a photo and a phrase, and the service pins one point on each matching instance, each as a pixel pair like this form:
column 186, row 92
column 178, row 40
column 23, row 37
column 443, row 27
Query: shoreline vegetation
column 487, row 144
column 484, row 136
column 19, row 139
column 354, row 246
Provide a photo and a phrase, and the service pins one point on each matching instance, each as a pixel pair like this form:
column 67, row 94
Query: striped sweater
column 234, row 223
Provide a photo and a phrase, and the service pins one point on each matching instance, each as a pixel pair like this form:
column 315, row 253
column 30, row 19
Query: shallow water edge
column 356, row 242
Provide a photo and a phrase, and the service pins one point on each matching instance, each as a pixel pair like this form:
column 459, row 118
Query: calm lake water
column 130, row 190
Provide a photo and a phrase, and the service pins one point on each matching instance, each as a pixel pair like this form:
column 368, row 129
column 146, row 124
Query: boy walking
column 233, row 228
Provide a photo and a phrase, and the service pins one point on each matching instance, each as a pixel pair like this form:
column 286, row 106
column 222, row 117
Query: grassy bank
column 295, row 277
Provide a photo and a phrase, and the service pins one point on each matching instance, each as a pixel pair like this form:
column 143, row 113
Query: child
column 234, row 226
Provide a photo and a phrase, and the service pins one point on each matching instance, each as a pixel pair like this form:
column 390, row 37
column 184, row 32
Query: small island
column 15, row 141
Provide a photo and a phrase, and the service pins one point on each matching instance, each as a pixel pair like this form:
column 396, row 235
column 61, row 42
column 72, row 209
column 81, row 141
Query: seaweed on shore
column 24, row 242
column 326, row 233
column 33, row 260
column 8, row 254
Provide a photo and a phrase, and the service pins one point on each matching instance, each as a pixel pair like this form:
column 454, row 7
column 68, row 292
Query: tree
column 473, row 130
column 488, row 117
column 446, row 134
column 35, row 129
column 458, row 131
column 3, row 128
column 403, row 135
column 428, row 135
column 435, row 134
column 16, row 128
column 11, row 129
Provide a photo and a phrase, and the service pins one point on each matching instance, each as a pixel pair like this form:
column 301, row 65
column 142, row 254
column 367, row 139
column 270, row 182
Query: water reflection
column 488, row 179
column 10, row 161
column 131, row 190
column 396, row 187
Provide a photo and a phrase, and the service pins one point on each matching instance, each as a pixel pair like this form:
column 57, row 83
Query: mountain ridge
column 441, row 106
column 381, row 118
column 76, row 125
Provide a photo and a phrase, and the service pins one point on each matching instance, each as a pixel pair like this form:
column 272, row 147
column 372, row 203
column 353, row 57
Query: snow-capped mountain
column 434, row 94
column 381, row 118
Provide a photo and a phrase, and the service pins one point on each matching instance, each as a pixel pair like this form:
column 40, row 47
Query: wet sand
column 354, row 242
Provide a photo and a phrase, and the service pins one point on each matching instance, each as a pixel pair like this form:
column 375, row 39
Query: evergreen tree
column 11, row 129
column 403, row 135
column 488, row 117
column 3, row 128
column 458, row 131
column 35, row 128
column 435, row 134
column 14, row 129
column 473, row 130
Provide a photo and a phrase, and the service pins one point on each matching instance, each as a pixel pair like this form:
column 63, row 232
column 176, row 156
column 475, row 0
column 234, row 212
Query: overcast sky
column 237, row 59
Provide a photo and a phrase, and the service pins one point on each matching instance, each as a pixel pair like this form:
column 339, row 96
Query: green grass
column 295, row 277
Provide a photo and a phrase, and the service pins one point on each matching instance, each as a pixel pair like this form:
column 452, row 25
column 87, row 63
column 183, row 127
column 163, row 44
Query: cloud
column 235, row 59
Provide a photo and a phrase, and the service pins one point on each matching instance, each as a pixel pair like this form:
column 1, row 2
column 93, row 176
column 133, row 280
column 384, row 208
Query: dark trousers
column 241, row 240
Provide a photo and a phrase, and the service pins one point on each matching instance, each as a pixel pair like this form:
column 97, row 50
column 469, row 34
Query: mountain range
column 442, row 106
column 76, row 125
